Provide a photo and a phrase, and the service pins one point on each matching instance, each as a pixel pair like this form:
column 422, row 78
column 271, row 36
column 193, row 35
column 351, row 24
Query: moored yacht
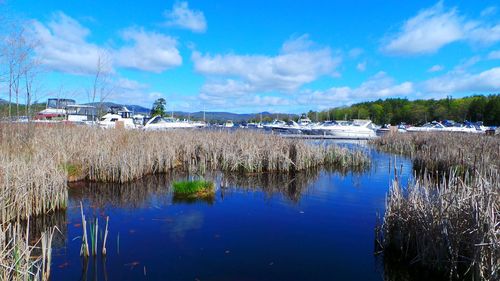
column 229, row 124
column 66, row 110
column 435, row 126
column 158, row 123
column 276, row 124
column 116, row 117
column 356, row 129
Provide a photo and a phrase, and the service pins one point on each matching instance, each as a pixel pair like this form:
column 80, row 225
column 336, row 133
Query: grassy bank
column 37, row 161
column 449, row 223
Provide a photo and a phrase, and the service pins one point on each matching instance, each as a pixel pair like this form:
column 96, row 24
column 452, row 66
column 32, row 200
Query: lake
column 309, row 226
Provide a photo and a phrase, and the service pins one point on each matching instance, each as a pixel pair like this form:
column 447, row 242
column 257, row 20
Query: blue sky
column 250, row 56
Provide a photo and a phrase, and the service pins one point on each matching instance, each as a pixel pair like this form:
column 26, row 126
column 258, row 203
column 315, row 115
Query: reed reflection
column 291, row 185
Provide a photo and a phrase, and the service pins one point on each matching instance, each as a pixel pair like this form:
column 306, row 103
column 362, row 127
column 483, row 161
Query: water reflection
column 39, row 224
column 140, row 194
column 291, row 185
column 185, row 223
column 247, row 231
column 397, row 270
column 131, row 195
column 182, row 199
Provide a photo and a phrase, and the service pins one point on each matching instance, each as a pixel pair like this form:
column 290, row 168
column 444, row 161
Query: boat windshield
column 159, row 120
column 81, row 110
column 59, row 103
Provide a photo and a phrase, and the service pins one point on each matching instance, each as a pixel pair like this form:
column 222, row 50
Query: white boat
column 290, row 127
column 139, row 119
column 228, row 124
column 304, row 121
column 456, row 127
column 402, row 128
column 62, row 110
column 158, row 123
column 306, row 125
column 83, row 114
column 118, row 116
column 385, row 129
column 55, row 109
column 252, row 125
column 356, row 129
column 276, row 124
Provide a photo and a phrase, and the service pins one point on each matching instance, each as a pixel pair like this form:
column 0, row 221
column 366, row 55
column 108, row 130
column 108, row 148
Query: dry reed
column 36, row 161
column 449, row 223
column 20, row 260
column 438, row 152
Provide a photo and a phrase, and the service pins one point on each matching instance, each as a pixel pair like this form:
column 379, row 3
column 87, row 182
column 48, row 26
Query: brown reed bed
column 21, row 259
column 438, row 152
column 36, row 161
column 451, row 223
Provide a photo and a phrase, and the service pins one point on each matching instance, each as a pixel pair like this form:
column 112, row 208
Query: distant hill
column 235, row 117
column 213, row 117
column 132, row 107
column 209, row 116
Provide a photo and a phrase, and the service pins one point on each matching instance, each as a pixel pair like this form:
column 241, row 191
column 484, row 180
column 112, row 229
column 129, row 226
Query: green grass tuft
column 193, row 187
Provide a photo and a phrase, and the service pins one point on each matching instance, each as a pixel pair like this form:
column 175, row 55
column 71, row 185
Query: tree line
column 396, row 110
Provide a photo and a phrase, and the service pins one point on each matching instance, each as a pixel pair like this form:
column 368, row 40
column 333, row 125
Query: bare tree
column 31, row 72
column 18, row 53
column 102, row 85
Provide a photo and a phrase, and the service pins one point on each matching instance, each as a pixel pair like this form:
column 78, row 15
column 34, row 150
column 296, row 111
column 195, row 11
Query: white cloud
column 355, row 52
column 183, row 17
column 494, row 55
column 482, row 34
column 437, row 26
column 150, row 51
column 435, row 68
column 490, row 11
column 299, row 62
column 246, row 101
column 427, row 32
column 226, row 88
column 361, row 66
column 127, row 84
column 466, row 63
column 459, row 82
column 62, row 46
column 379, row 86
column 128, row 91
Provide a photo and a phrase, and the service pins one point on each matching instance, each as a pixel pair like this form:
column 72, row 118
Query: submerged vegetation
column 37, row 161
column 448, row 218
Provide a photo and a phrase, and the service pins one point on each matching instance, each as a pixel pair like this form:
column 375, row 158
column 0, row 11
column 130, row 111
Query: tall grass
column 22, row 260
column 438, row 152
column 449, row 223
column 36, row 161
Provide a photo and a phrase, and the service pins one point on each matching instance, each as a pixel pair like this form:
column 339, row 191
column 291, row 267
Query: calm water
column 315, row 226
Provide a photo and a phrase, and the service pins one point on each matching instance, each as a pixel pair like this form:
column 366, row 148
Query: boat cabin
column 81, row 113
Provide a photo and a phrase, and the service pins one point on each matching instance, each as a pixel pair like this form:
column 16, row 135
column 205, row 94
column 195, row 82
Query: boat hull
column 347, row 134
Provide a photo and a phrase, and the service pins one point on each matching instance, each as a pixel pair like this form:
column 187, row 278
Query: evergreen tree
column 159, row 107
